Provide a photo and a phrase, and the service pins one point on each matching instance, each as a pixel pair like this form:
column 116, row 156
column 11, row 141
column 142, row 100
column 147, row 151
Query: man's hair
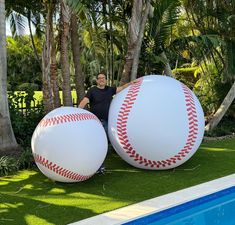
column 101, row 73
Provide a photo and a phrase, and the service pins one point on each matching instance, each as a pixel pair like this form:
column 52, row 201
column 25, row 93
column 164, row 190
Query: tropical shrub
column 186, row 76
column 22, row 65
column 210, row 88
column 24, row 119
column 8, row 165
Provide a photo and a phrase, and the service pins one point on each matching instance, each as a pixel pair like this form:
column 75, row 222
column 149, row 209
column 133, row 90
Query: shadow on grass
column 29, row 197
column 23, row 210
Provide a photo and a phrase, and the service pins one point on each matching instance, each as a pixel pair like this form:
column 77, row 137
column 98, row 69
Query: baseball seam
column 66, row 118
column 58, row 169
column 122, row 120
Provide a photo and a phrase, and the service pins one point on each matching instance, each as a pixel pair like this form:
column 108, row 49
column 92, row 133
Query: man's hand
column 133, row 82
column 125, row 86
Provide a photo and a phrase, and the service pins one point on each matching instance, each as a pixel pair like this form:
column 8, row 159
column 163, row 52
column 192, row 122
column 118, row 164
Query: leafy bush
column 22, row 65
column 26, row 86
column 211, row 89
column 186, row 75
column 24, row 119
column 8, row 165
column 225, row 127
column 26, row 159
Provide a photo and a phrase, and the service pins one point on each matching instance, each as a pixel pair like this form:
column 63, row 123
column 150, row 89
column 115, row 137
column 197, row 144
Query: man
column 99, row 98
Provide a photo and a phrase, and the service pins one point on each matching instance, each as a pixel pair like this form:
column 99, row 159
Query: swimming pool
column 182, row 207
column 213, row 209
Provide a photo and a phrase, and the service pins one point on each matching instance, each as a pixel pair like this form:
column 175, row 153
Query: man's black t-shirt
column 100, row 100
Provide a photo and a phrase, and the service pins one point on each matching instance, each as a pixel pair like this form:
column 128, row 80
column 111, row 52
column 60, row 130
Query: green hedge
column 186, row 75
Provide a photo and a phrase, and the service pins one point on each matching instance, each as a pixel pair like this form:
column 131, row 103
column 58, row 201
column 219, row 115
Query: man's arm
column 84, row 102
column 120, row 88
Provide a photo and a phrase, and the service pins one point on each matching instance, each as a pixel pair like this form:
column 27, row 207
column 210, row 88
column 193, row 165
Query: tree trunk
column 139, row 41
column 53, row 64
column 65, row 68
column 167, row 70
column 32, row 39
column 79, row 76
column 133, row 30
column 8, row 144
column 54, row 81
column 222, row 109
column 47, row 89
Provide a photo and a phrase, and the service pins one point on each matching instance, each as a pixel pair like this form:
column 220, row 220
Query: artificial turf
column 28, row 197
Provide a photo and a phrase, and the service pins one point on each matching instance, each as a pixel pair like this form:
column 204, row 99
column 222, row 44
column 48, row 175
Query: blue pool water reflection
column 214, row 209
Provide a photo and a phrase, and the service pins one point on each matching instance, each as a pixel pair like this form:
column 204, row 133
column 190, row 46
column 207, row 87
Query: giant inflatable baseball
column 156, row 123
column 69, row 144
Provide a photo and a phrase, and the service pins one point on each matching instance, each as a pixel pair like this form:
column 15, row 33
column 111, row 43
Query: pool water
column 214, row 209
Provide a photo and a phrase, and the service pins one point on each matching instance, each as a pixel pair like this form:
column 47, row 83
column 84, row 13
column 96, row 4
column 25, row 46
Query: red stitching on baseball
column 66, row 118
column 59, row 170
column 122, row 127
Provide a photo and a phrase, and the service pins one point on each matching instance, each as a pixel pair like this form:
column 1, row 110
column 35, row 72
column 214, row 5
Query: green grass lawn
column 38, row 95
column 30, row 198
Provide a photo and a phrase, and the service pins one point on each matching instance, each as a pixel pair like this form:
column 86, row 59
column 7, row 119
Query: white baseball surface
column 156, row 123
column 69, row 144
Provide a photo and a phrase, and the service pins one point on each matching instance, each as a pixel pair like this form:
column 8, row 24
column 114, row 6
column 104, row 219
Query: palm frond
column 165, row 15
column 77, row 6
column 17, row 23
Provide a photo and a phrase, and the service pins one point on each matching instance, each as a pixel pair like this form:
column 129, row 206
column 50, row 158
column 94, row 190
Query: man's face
column 101, row 80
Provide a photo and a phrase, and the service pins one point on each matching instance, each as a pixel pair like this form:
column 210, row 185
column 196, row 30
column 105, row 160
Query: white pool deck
column 125, row 214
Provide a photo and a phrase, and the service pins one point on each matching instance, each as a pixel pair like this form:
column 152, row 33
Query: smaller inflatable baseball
column 156, row 123
column 69, row 144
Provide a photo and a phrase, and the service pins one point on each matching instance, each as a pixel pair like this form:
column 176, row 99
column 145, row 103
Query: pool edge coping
column 147, row 207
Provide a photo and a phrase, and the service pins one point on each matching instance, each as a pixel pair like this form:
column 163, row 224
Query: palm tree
column 217, row 18
column 164, row 16
column 103, row 35
column 21, row 12
column 46, row 63
column 65, row 68
column 53, row 61
column 8, row 142
column 139, row 40
column 133, row 32
column 76, row 49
